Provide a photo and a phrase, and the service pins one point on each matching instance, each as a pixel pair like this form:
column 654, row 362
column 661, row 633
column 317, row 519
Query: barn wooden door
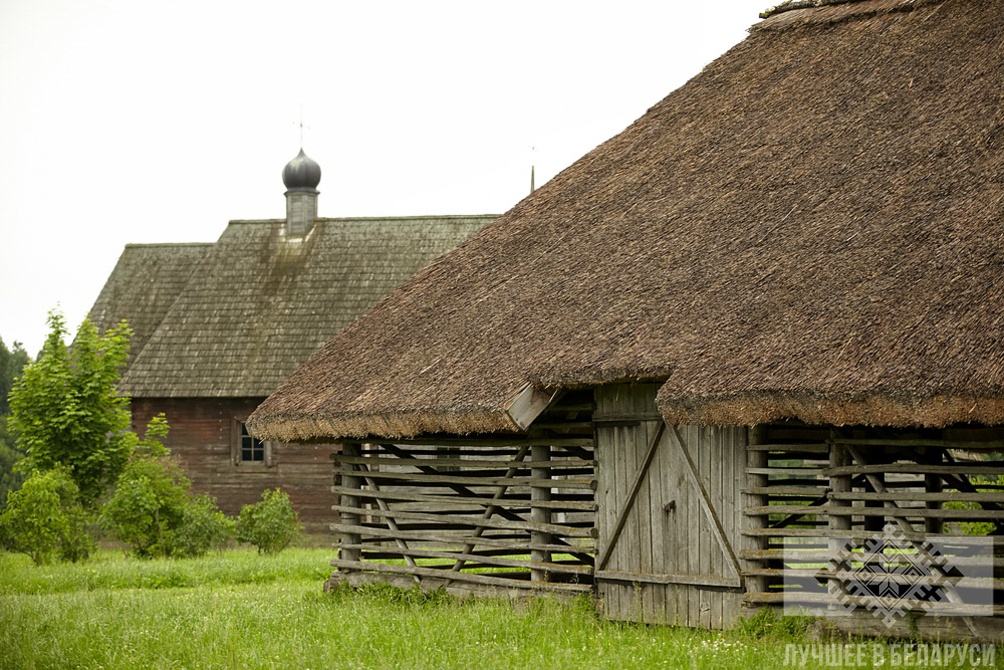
column 669, row 514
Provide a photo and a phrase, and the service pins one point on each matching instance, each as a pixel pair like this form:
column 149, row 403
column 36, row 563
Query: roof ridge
column 790, row 5
column 169, row 244
column 411, row 217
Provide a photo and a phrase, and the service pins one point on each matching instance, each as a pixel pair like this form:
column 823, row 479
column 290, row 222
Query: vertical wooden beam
column 838, row 522
column 875, row 523
column 756, row 459
column 353, row 449
column 540, row 453
column 933, row 484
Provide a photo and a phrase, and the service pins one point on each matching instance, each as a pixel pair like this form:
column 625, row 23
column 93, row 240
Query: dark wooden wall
column 201, row 437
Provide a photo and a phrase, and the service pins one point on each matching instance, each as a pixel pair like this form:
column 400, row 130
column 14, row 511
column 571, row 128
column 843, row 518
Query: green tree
column 12, row 361
column 65, row 409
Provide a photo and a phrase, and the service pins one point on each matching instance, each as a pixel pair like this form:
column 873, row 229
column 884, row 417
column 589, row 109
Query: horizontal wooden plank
column 806, row 491
column 691, row 580
column 920, row 513
column 853, row 534
column 515, row 441
column 983, row 468
column 501, row 561
column 498, row 464
column 805, row 473
column 580, row 546
column 555, row 503
column 475, row 521
column 582, row 426
column 484, row 580
column 807, row 447
column 917, row 496
column 761, row 510
column 990, row 445
column 891, row 578
column 474, row 578
column 447, row 479
column 939, row 609
column 821, row 554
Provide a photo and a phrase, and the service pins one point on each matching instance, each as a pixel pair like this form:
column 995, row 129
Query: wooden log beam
column 580, row 548
column 463, row 490
column 467, row 481
column 496, row 463
column 578, row 568
column 905, row 526
column 483, row 522
column 471, row 577
column 557, row 503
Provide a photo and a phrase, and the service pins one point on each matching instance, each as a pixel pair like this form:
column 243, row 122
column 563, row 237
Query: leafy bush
column 147, row 506
column 45, row 519
column 150, row 496
column 152, row 510
column 270, row 524
column 203, row 527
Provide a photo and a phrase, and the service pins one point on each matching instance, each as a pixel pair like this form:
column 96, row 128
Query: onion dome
column 301, row 173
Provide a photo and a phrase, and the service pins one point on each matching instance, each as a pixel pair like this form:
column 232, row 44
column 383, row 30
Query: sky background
column 153, row 121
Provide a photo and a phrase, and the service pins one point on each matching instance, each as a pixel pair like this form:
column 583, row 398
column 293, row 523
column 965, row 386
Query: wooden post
column 757, row 459
column 352, row 449
column 838, row 522
column 933, row 484
column 540, row 453
column 875, row 523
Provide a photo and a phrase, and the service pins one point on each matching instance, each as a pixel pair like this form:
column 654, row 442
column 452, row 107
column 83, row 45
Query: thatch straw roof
column 257, row 304
column 813, row 227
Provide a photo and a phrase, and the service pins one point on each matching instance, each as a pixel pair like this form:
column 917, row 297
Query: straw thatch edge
column 387, row 424
column 869, row 409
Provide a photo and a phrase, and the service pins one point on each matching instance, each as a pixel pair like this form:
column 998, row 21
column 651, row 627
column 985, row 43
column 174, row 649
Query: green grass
column 241, row 610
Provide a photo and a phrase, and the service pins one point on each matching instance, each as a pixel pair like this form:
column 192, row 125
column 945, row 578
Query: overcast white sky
column 159, row 121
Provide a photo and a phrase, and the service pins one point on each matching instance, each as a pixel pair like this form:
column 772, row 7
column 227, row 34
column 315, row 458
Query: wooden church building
column 712, row 362
column 218, row 326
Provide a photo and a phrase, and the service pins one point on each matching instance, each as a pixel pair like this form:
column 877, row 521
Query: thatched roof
column 813, row 227
column 259, row 302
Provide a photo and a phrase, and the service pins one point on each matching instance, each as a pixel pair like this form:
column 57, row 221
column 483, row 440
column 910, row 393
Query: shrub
column 270, row 524
column 203, row 527
column 152, row 510
column 147, row 506
column 45, row 519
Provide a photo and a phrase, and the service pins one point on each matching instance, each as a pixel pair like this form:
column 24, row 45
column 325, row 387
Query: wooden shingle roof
column 145, row 282
column 813, row 227
column 259, row 303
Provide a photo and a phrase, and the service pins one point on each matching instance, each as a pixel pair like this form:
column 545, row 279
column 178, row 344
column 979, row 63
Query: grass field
column 241, row 610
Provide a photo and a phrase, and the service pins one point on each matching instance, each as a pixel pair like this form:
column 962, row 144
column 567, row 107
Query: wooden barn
column 700, row 370
column 218, row 326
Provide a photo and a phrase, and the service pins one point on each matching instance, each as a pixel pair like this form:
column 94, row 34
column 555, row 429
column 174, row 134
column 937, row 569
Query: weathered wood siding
column 489, row 514
column 669, row 514
column 917, row 502
column 201, row 436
